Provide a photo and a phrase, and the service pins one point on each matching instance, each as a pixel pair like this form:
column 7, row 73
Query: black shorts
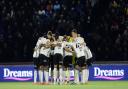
column 90, row 61
column 67, row 62
column 36, row 63
column 43, row 60
column 57, row 59
column 80, row 61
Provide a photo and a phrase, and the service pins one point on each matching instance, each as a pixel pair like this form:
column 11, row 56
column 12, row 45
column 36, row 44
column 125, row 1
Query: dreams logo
column 17, row 75
column 108, row 74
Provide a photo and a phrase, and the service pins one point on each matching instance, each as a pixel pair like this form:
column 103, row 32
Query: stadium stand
column 103, row 24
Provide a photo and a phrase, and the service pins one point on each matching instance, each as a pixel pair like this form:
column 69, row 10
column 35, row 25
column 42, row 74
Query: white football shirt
column 43, row 50
column 59, row 48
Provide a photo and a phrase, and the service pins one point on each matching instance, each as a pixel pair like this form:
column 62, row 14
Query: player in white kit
column 80, row 61
column 58, row 61
column 67, row 62
column 36, row 58
column 44, row 60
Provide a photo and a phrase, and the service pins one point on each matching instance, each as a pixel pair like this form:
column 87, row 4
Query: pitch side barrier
column 99, row 71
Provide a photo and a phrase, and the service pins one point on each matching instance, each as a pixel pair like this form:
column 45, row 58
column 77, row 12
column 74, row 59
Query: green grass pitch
column 90, row 85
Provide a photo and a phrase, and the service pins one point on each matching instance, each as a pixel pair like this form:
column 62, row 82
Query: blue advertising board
column 16, row 73
column 109, row 72
column 97, row 72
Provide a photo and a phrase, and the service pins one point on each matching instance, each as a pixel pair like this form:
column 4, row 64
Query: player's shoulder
column 61, row 38
column 80, row 39
column 41, row 38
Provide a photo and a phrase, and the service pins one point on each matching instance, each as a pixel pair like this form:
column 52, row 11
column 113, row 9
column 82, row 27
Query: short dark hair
column 74, row 30
column 52, row 39
column 49, row 33
column 57, row 35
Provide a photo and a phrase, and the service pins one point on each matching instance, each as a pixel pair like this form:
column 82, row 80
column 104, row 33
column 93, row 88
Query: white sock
column 76, row 76
column 46, row 76
column 86, row 75
column 83, row 76
column 35, row 75
column 50, row 72
column 41, row 76
column 61, row 75
column 50, row 75
column 68, row 75
column 55, row 75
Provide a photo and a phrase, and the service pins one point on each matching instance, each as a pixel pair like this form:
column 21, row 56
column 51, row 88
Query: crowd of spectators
column 103, row 24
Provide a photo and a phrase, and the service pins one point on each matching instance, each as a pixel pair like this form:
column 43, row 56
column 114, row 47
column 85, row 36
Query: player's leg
column 65, row 65
column 50, row 70
column 84, row 75
column 69, row 67
column 88, row 64
column 76, row 77
column 55, row 71
column 60, row 57
column 51, row 66
column 46, row 70
column 46, row 75
column 77, row 69
column 50, row 76
column 61, row 74
column 35, row 69
column 41, row 72
column 41, row 57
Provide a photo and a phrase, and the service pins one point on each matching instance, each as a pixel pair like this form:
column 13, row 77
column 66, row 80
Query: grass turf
column 90, row 85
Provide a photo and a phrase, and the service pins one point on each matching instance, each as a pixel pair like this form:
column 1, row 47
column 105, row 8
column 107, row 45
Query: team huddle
column 56, row 55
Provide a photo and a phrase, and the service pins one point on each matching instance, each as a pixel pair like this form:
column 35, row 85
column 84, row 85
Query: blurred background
column 103, row 24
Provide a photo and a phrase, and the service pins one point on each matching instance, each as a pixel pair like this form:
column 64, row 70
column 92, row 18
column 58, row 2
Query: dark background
column 103, row 24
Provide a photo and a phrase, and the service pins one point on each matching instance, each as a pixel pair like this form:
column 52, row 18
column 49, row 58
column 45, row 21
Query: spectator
column 103, row 24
